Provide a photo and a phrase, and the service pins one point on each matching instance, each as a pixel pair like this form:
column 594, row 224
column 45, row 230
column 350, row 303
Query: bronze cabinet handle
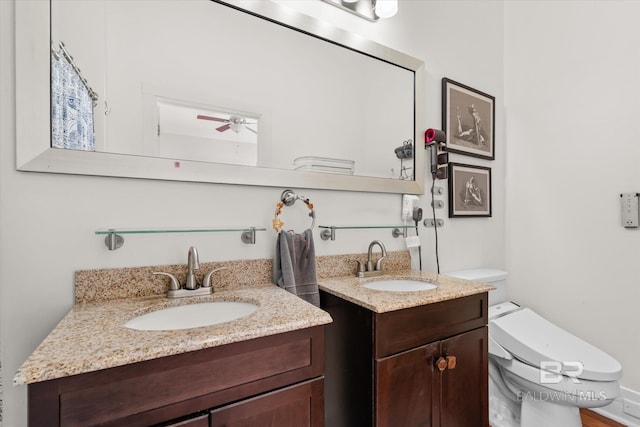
column 441, row 364
column 451, row 362
column 447, row 362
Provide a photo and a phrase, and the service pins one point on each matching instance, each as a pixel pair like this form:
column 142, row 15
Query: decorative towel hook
column 288, row 198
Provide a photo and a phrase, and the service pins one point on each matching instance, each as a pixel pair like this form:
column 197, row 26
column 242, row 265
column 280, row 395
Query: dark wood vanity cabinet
column 271, row 381
column 420, row 366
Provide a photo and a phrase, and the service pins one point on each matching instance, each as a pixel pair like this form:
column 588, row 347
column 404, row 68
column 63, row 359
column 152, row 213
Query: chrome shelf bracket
column 113, row 240
column 397, row 232
column 328, row 233
column 249, row 236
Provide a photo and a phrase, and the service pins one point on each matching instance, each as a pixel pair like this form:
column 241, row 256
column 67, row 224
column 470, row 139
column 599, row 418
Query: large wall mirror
column 238, row 92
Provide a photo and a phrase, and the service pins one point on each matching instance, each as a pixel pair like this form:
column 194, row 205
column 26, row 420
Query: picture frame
column 468, row 118
column 469, row 191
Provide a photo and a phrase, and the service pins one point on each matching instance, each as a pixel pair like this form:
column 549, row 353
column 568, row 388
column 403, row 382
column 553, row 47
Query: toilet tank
column 497, row 278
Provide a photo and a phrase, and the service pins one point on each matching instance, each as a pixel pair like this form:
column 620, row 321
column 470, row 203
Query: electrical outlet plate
column 408, row 203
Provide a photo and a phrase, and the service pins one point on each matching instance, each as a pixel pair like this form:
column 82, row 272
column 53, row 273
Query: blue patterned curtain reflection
column 71, row 107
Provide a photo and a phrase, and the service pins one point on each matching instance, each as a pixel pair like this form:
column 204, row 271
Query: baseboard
column 629, row 399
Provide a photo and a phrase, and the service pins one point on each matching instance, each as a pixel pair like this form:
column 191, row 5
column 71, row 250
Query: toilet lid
column 540, row 343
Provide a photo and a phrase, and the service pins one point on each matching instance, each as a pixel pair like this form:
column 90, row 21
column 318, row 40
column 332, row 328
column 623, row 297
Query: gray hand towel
column 294, row 265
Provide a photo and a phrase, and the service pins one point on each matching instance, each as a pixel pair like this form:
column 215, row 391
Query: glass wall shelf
column 329, row 232
column 114, row 239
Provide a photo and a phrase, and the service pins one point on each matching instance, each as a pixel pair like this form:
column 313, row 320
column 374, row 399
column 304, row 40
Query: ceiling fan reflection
column 235, row 123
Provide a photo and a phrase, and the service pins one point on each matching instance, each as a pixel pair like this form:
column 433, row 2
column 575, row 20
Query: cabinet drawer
column 198, row 421
column 300, row 405
column 401, row 330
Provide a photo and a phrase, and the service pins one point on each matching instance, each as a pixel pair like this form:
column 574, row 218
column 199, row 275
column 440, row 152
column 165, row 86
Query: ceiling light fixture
column 386, row 8
column 371, row 10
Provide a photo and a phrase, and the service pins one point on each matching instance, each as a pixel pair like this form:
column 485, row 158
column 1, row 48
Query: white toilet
column 539, row 374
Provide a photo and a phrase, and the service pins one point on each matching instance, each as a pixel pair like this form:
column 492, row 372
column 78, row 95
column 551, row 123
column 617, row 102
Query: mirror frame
column 33, row 136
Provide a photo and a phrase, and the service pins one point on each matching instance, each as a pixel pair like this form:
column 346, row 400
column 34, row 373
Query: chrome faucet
column 370, row 269
column 379, row 262
column 191, row 287
column 193, row 264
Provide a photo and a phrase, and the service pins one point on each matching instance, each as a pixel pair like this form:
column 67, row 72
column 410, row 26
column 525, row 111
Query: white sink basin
column 400, row 285
column 191, row 316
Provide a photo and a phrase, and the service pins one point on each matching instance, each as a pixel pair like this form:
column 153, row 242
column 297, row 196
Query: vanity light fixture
column 386, row 8
column 371, row 10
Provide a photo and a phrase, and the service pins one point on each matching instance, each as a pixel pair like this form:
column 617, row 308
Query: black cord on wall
column 419, row 246
column 435, row 225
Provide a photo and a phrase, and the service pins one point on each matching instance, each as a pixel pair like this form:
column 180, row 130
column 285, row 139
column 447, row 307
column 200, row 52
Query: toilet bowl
column 539, row 374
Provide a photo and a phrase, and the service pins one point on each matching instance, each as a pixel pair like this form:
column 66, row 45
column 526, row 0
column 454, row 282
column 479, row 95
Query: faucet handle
column 174, row 285
column 360, row 265
column 206, row 283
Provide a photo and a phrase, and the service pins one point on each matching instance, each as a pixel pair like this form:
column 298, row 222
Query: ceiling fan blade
column 214, row 119
column 248, row 128
column 223, row 127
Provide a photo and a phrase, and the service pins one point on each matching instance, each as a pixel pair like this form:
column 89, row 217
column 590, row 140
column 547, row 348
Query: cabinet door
column 404, row 388
column 301, row 405
column 465, row 387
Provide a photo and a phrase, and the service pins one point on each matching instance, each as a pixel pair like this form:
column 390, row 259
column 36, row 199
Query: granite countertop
column 92, row 336
column 351, row 289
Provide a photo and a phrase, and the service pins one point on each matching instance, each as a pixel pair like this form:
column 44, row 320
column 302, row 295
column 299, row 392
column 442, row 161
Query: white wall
column 47, row 222
column 571, row 85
